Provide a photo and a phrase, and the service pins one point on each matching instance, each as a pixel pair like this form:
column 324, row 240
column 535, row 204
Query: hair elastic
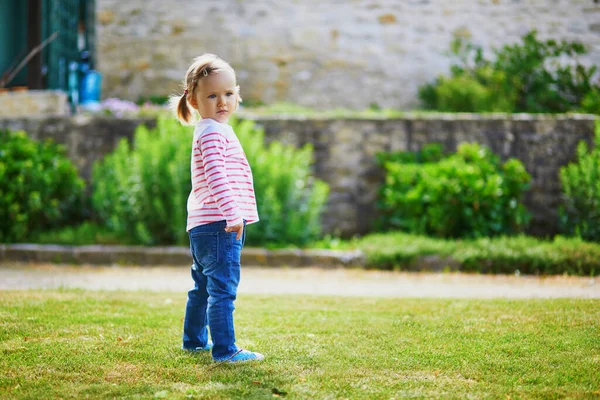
column 185, row 92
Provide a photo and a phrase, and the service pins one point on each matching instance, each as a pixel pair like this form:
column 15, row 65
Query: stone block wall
column 345, row 155
column 41, row 103
column 345, row 149
column 86, row 138
column 319, row 53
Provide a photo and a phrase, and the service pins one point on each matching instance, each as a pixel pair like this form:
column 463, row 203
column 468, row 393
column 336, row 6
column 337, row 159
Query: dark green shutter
column 63, row 16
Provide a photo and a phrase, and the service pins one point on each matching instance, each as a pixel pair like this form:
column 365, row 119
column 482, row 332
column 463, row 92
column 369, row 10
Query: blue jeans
column 216, row 274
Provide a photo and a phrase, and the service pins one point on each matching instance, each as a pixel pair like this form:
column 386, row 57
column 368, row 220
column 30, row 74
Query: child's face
column 216, row 96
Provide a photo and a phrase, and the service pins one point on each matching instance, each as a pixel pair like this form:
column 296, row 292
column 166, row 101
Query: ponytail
column 180, row 107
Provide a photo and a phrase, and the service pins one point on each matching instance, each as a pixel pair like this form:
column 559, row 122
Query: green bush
column 467, row 194
column 533, row 76
column 429, row 153
column 140, row 192
column 591, row 102
column 290, row 201
column 580, row 212
column 39, row 187
column 500, row 255
column 529, row 255
column 86, row 233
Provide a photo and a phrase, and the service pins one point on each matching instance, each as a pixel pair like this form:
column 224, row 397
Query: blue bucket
column 91, row 84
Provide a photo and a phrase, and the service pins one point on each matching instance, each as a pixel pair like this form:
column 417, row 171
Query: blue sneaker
column 208, row 347
column 242, row 356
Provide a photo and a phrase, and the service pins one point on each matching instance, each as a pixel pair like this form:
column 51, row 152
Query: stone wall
column 41, row 103
column 86, row 138
column 344, row 151
column 319, row 53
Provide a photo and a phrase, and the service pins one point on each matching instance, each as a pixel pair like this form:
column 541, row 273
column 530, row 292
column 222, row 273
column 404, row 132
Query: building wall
column 319, row 53
column 345, row 149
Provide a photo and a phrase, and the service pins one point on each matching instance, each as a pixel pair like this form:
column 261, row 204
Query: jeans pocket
column 205, row 247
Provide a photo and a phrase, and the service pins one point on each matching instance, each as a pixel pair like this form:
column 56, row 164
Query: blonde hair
column 202, row 66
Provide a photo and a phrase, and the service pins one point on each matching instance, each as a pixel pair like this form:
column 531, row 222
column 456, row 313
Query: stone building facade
column 319, row 53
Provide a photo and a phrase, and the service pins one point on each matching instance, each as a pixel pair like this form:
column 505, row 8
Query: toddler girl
column 219, row 206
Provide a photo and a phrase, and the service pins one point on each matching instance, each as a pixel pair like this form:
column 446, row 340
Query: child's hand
column 239, row 228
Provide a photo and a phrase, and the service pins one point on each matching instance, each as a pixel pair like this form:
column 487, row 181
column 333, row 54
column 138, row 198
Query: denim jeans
column 216, row 275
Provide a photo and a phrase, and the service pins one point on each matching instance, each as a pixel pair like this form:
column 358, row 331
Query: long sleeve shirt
column 222, row 185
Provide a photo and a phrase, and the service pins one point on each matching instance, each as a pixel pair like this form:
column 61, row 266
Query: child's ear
column 193, row 102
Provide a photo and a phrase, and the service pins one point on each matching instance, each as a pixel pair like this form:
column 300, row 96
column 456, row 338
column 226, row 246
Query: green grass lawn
column 78, row 344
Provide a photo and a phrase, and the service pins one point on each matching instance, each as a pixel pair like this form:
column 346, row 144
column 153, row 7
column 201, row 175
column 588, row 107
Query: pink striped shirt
column 222, row 186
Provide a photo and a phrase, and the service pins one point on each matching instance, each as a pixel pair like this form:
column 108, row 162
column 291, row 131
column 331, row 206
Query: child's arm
column 213, row 146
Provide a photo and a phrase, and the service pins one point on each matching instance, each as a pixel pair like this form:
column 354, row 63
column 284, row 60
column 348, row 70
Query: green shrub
column 399, row 250
column 467, row 194
column 290, row 201
column 591, row 102
column 580, row 212
column 464, row 93
column 429, row 153
column 533, row 76
column 529, row 255
column 140, row 192
column 83, row 234
column 39, row 187
column 500, row 255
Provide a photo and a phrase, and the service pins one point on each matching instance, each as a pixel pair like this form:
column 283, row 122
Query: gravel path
column 312, row 281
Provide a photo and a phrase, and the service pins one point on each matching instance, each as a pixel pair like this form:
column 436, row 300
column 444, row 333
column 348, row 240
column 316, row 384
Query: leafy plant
column 498, row 255
column 591, row 102
column 466, row 194
column 429, row 153
column 290, row 200
column 533, row 76
column 140, row 191
column 39, row 186
column 87, row 233
column 580, row 212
